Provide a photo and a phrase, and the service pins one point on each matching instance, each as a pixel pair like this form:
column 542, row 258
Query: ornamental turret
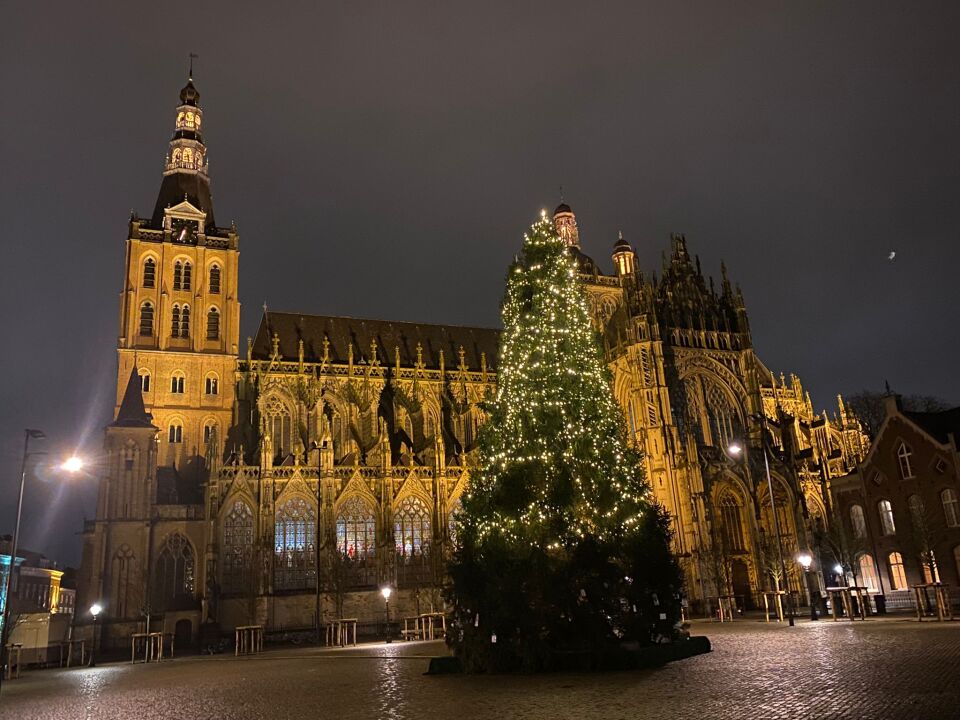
column 623, row 257
column 566, row 224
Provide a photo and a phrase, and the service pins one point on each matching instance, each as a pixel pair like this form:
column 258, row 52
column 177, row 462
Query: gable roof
column 344, row 332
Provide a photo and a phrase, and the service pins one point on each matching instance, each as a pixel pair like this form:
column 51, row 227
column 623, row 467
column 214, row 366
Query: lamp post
column 71, row 465
column 386, row 591
column 805, row 561
column 95, row 610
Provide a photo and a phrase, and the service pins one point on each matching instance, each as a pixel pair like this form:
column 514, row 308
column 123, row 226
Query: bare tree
column 867, row 405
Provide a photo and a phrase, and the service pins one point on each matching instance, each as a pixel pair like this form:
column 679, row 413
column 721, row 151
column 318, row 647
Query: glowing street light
column 95, row 610
column 805, row 562
column 386, row 591
column 73, row 464
column 735, row 449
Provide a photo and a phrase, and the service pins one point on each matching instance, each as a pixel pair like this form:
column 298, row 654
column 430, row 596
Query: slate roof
column 345, row 331
column 938, row 424
column 132, row 412
column 175, row 186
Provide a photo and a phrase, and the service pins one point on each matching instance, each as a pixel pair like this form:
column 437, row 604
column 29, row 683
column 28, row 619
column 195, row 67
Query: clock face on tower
column 183, row 231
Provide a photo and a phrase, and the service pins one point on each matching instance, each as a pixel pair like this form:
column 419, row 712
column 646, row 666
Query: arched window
column 122, row 577
column 412, row 531
column 185, row 321
column 144, row 380
column 356, row 529
column 174, row 576
column 178, row 275
column 296, row 533
column 175, row 432
column 931, row 572
column 887, row 526
column 237, row 555
column 214, row 283
column 903, row 458
column 868, row 572
column 213, row 324
column 177, row 155
column 146, row 319
column 858, row 522
column 951, row 507
column 199, row 159
column 175, row 320
column 187, row 156
column 279, row 424
column 209, row 430
column 187, row 270
column 898, row 576
column 177, row 383
column 731, row 525
column 149, row 273
column 211, row 386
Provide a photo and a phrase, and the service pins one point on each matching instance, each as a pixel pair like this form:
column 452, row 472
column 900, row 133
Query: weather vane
column 193, row 56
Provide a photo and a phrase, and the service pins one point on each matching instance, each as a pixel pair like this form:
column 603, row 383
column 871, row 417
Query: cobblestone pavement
column 874, row 669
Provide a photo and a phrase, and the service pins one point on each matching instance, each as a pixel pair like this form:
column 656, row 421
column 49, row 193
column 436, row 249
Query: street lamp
column 805, row 561
column 95, row 610
column 386, row 591
column 71, row 465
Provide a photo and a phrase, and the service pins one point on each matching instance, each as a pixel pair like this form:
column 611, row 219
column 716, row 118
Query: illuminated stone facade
column 285, row 485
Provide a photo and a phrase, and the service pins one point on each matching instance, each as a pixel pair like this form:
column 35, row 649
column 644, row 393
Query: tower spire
column 185, row 167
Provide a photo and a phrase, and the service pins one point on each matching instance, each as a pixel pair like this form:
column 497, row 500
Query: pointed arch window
column 237, row 559
column 214, row 283
column 149, row 273
column 209, row 431
column 144, row 380
column 732, row 526
column 187, row 272
column 887, row 526
column 123, row 578
column 858, row 522
column 904, row 455
column 951, row 507
column 213, row 324
column 412, row 529
column 178, row 275
column 898, row 576
column 177, row 383
column 146, row 319
column 185, row 321
column 296, row 530
column 174, row 577
column 356, row 529
column 175, row 432
column 175, row 320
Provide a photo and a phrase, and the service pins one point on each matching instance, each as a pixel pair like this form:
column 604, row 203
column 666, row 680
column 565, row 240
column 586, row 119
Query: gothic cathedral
column 284, row 486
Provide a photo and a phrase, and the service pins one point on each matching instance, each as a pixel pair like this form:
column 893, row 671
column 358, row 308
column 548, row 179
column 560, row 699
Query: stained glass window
column 296, row 533
column 237, row 555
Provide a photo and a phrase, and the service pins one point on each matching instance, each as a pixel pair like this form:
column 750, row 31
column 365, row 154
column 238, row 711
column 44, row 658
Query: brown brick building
column 901, row 509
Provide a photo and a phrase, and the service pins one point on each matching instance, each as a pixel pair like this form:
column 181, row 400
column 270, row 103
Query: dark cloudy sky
column 382, row 159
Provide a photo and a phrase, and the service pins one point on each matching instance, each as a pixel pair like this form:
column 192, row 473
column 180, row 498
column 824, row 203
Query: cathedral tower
column 180, row 313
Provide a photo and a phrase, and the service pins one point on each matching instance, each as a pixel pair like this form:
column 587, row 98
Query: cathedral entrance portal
column 740, row 579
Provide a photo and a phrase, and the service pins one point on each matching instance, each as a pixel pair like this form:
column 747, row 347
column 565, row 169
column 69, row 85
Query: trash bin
column 881, row 603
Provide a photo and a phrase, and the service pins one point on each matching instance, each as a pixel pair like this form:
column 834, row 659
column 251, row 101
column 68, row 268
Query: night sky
column 382, row 159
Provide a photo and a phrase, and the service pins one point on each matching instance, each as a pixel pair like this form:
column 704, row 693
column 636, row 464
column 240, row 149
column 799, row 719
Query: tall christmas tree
column 562, row 551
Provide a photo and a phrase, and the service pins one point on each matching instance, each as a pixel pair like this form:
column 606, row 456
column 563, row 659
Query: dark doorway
column 740, row 579
column 183, row 633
